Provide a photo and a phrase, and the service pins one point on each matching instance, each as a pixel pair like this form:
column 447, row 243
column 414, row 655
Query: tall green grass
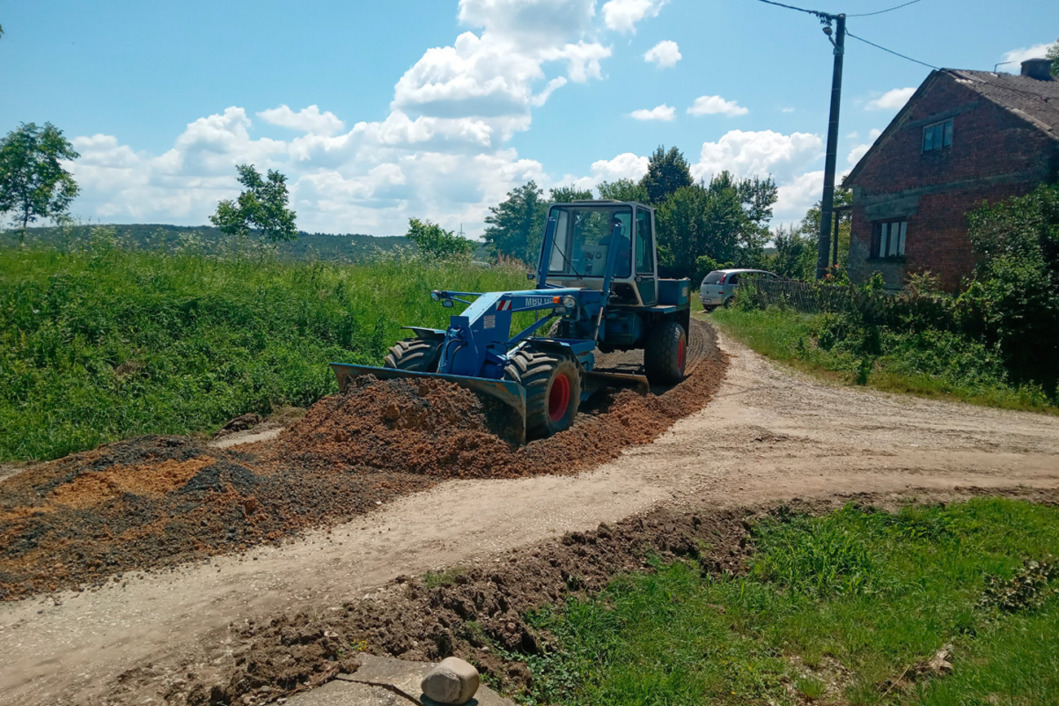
column 848, row 608
column 106, row 343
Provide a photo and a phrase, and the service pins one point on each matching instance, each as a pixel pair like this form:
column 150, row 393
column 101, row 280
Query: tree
column 261, row 207
column 516, row 224
column 434, row 241
column 795, row 256
column 722, row 222
column 33, row 182
column 623, row 190
column 1053, row 54
column 810, row 225
column 666, row 172
column 568, row 194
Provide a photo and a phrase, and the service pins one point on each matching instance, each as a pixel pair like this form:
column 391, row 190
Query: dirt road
column 768, row 435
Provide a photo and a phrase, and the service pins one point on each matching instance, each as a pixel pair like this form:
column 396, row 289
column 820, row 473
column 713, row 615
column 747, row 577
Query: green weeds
column 933, row 363
column 850, row 607
column 105, row 343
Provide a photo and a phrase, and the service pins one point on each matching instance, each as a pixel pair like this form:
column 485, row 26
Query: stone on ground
column 385, row 681
column 451, row 682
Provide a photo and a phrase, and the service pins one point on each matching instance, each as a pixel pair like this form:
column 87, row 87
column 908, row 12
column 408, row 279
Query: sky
column 378, row 112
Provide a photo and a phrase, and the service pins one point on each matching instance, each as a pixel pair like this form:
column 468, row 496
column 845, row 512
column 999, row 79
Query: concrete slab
column 397, row 674
column 346, row 693
column 385, row 681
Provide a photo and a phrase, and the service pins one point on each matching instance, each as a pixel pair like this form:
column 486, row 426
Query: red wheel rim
column 680, row 354
column 559, row 398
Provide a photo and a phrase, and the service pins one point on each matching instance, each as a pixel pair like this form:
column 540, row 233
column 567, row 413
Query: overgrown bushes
column 1002, row 330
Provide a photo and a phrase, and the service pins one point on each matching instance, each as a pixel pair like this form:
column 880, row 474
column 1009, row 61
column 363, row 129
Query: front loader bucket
column 505, row 401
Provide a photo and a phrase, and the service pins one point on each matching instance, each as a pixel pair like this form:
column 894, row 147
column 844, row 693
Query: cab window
column 644, row 246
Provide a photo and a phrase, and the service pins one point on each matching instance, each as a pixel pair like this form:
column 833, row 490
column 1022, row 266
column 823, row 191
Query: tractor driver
column 618, row 239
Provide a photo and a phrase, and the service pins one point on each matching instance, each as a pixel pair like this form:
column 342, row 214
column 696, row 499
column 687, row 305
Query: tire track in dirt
column 768, row 436
column 160, row 501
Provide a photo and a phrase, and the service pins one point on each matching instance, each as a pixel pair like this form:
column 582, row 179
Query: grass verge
column 106, row 343
column 930, row 364
column 929, row 605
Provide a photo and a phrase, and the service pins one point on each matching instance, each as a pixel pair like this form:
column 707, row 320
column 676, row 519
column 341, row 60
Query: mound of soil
column 429, row 427
column 439, row 429
column 158, row 501
column 473, row 608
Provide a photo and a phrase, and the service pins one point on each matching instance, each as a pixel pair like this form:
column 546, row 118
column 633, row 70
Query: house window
column 937, row 136
column 888, row 239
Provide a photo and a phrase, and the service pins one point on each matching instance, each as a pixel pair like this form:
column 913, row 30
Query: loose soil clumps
column 159, row 501
column 465, row 611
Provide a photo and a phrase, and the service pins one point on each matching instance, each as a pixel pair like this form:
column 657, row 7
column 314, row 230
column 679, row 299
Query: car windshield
column 584, row 236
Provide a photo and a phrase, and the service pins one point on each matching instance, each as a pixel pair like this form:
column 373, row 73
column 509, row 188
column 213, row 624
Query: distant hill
column 156, row 236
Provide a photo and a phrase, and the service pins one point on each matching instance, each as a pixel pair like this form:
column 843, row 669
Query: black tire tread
column 415, row 354
column 534, row 370
column 660, row 355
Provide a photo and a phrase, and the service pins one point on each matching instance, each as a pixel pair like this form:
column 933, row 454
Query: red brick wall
column 993, row 155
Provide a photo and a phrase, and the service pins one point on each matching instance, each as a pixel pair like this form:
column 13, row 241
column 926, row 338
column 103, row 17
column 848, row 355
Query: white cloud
column 664, row 54
column 441, row 152
column 582, row 59
column 859, row 151
column 891, row 100
column 623, row 15
column 797, row 196
column 525, row 51
column 715, row 105
column 760, row 154
column 366, row 180
column 787, row 110
column 661, row 112
column 305, row 120
column 1015, row 57
column 531, row 21
column 625, row 166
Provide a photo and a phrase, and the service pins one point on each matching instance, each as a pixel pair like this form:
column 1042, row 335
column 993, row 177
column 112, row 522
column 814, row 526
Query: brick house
column 964, row 137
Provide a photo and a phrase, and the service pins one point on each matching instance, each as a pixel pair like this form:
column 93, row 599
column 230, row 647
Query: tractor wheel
column 416, row 354
column 663, row 356
column 553, row 390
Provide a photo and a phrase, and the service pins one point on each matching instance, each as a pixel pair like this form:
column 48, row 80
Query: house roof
column 1032, row 100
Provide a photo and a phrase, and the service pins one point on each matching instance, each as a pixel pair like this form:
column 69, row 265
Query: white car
column 718, row 287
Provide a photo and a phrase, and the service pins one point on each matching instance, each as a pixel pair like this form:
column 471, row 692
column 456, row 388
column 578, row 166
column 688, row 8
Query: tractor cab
column 589, row 236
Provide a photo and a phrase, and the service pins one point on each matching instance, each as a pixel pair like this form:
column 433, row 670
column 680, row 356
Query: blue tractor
column 597, row 288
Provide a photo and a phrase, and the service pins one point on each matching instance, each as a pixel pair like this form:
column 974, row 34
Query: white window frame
column 888, row 239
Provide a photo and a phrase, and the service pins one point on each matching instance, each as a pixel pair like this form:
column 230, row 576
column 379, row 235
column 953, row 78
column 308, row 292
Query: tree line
column 700, row 226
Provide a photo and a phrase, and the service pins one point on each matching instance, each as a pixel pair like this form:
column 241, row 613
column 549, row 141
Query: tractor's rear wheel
column 416, row 354
column 665, row 353
column 553, row 390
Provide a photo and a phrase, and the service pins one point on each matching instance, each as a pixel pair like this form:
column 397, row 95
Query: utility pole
column 828, row 201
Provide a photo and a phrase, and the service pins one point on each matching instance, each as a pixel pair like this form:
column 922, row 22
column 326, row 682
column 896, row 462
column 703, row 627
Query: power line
column 889, row 9
column 891, row 51
column 818, row 13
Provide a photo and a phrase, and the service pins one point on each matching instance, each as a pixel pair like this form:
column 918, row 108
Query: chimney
column 1039, row 69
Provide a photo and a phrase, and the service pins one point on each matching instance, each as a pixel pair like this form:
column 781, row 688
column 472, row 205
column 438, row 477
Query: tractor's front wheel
column 553, row 390
column 665, row 353
column 419, row 355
